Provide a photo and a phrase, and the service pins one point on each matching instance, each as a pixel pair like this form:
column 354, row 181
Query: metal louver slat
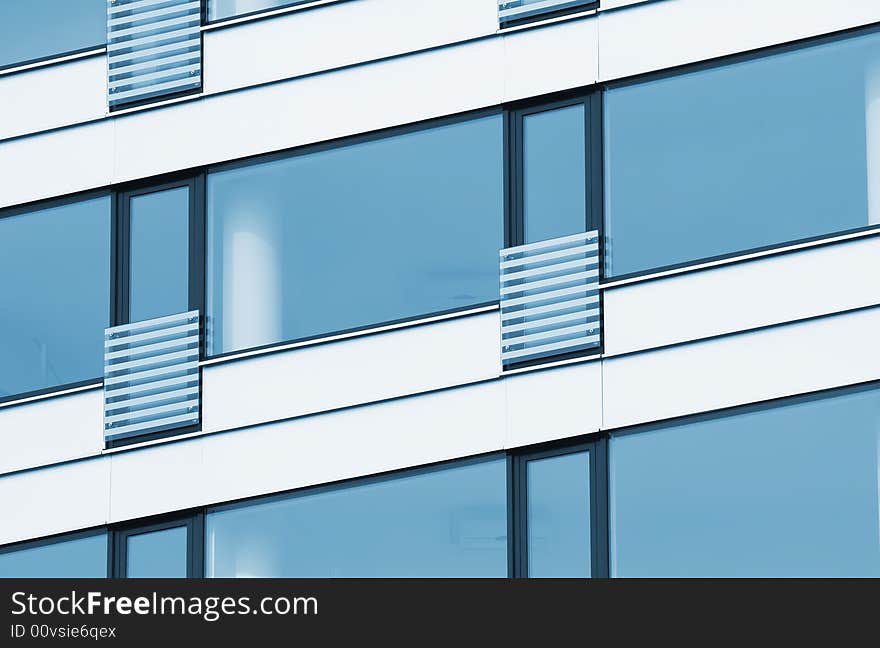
column 151, row 376
column 154, row 49
column 550, row 298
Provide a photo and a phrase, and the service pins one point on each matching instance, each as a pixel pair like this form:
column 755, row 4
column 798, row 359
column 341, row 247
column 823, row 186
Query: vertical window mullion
column 599, row 518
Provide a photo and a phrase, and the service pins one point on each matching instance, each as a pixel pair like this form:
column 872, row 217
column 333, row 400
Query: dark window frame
column 597, row 447
column 591, row 98
column 121, row 262
column 195, row 183
column 549, row 14
column 193, row 521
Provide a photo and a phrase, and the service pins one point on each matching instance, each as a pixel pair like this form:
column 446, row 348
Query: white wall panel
column 741, row 296
column 54, row 500
column 304, row 42
column 553, row 404
column 556, row 57
column 357, row 442
column 704, row 376
column 53, row 96
column 348, row 372
column 56, row 163
column 51, row 430
column 157, row 479
column 659, row 35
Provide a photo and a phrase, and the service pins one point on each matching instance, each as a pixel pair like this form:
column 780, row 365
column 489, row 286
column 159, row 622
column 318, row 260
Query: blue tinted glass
column 82, row 558
column 159, row 254
column 554, row 173
column 55, row 305
column 559, row 516
column 36, row 29
column 444, row 523
column 787, row 491
column 219, row 9
column 158, row 554
column 355, row 236
column 743, row 156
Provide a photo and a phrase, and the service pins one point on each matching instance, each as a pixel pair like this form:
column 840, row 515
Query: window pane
column 159, row 254
column 743, row 156
column 158, row 554
column 554, row 173
column 81, row 558
column 355, row 236
column 53, row 314
column 220, row 9
column 445, row 523
column 559, row 516
column 787, row 491
column 36, row 29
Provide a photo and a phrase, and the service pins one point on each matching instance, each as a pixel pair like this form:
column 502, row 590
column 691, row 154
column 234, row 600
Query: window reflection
column 444, row 523
column 787, row 491
column 79, row 558
column 56, row 304
column 366, row 234
column 752, row 154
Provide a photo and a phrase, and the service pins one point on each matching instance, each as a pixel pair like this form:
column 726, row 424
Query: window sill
column 37, row 64
column 52, row 392
column 739, row 257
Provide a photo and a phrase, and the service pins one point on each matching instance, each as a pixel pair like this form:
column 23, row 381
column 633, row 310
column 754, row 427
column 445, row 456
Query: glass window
column 355, row 236
column 743, row 156
column 559, row 516
column 444, row 523
column 38, row 29
column 786, row 491
column 220, row 9
column 159, row 254
column 55, row 303
column 554, row 173
column 157, row 554
column 80, row 558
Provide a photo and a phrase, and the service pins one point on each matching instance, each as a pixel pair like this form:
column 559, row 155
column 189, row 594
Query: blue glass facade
column 739, row 156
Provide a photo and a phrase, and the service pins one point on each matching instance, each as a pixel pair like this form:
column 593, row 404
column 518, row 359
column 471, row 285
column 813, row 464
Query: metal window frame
column 592, row 100
column 121, row 263
column 193, row 521
column 597, row 447
column 121, row 234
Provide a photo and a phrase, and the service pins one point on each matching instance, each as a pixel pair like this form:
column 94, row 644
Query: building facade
column 475, row 288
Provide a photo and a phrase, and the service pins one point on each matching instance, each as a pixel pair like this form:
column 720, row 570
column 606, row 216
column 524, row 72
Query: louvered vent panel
column 550, row 298
column 154, row 49
column 151, row 376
